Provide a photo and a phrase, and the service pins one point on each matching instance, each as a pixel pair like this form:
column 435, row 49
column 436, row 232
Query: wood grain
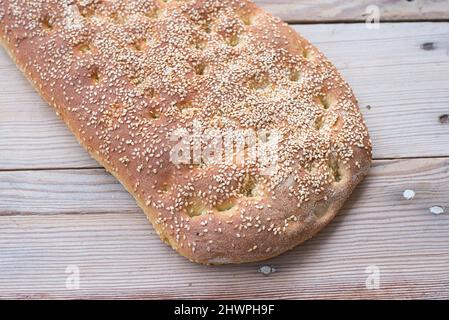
column 119, row 255
column 406, row 87
column 53, row 215
column 344, row 10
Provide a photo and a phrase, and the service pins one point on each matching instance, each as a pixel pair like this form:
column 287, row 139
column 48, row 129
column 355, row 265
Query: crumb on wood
column 437, row 210
column 409, row 194
column 267, row 270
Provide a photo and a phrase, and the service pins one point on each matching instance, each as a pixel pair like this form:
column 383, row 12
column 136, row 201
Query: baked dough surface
column 126, row 75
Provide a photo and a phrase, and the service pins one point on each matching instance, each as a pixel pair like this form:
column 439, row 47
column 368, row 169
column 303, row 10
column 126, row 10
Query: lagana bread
column 134, row 79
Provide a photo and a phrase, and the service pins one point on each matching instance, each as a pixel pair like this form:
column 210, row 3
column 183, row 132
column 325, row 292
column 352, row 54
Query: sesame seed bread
column 124, row 75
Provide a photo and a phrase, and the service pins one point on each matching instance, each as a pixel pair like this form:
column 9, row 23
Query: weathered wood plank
column 406, row 86
column 119, row 255
column 62, row 192
column 344, row 10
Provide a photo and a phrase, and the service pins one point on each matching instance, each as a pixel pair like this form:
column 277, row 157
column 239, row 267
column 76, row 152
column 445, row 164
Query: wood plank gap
column 102, row 168
column 410, row 158
column 302, row 22
column 52, row 169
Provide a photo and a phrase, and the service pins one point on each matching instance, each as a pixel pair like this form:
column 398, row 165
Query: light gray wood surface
column 84, row 218
column 58, row 210
column 310, row 11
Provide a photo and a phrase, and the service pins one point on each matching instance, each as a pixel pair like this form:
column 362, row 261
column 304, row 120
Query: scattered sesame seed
column 437, row 210
column 267, row 270
column 409, row 194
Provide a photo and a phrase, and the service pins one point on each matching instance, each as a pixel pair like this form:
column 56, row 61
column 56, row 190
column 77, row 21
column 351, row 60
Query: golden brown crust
column 124, row 75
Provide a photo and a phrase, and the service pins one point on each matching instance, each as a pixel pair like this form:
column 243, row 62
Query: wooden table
column 61, row 213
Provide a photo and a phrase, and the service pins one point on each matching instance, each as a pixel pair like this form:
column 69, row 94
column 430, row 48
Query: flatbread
column 132, row 79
